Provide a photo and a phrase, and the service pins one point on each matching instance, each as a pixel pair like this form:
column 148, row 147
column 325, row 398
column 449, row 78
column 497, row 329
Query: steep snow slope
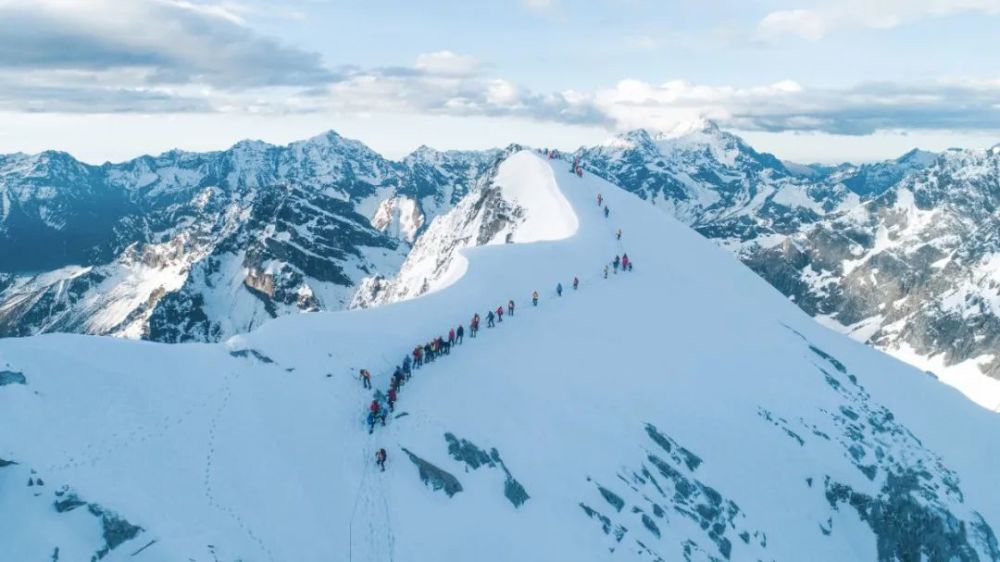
column 896, row 253
column 684, row 410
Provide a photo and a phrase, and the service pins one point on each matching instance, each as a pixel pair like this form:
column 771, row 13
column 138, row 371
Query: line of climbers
column 553, row 154
column 383, row 404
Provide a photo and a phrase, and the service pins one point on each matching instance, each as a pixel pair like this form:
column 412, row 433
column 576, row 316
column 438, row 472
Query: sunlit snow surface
column 221, row 453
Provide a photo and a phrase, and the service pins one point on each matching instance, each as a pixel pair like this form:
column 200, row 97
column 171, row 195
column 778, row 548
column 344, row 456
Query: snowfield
column 682, row 411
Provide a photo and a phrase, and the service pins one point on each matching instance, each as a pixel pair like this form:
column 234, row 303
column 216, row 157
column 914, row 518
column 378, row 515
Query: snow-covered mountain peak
column 683, row 410
column 632, row 139
column 252, row 144
column 918, row 158
column 331, row 140
column 697, row 126
column 518, row 201
column 704, row 136
column 53, row 163
column 527, row 182
column 695, row 132
column 424, row 153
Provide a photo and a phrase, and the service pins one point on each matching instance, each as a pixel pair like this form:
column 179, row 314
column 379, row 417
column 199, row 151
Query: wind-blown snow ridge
column 684, row 410
column 529, row 183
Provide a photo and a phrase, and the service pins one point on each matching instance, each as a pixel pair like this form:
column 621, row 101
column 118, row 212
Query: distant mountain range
column 903, row 254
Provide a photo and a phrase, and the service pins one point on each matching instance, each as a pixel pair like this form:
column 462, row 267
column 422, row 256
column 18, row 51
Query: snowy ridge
column 681, row 411
column 518, row 202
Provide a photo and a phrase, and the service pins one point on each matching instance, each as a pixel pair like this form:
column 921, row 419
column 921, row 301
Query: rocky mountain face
column 902, row 254
column 197, row 247
column 715, row 182
column 482, row 217
column 913, row 268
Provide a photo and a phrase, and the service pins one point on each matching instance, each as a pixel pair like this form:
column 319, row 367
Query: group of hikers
column 622, row 262
column 383, row 404
column 437, row 347
column 495, row 316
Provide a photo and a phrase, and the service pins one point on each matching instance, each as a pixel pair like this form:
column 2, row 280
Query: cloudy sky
column 811, row 80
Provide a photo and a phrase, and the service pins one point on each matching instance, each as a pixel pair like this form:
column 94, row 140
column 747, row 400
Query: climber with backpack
column 451, row 337
column 559, row 289
column 606, row 211
column 510, row 307
column 380, row 458
column 392, row 399
column 625, row 262
column 489, row 319
column 460, row 334
column 418, row 356
column 534, row 298
column 616, row 263
column 500, row 313
column 600, row 200
column 576, row 283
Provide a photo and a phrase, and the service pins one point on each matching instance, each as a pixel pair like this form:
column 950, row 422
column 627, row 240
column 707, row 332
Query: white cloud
column 502, row 93
column 447, row 63
column 804, row 23
column 160, row 41
column 634, row 103
column 814, row 24
column 785, row 105
column 176, row 56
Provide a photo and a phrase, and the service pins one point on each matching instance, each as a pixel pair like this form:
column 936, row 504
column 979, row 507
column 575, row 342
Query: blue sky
column 809, row 80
